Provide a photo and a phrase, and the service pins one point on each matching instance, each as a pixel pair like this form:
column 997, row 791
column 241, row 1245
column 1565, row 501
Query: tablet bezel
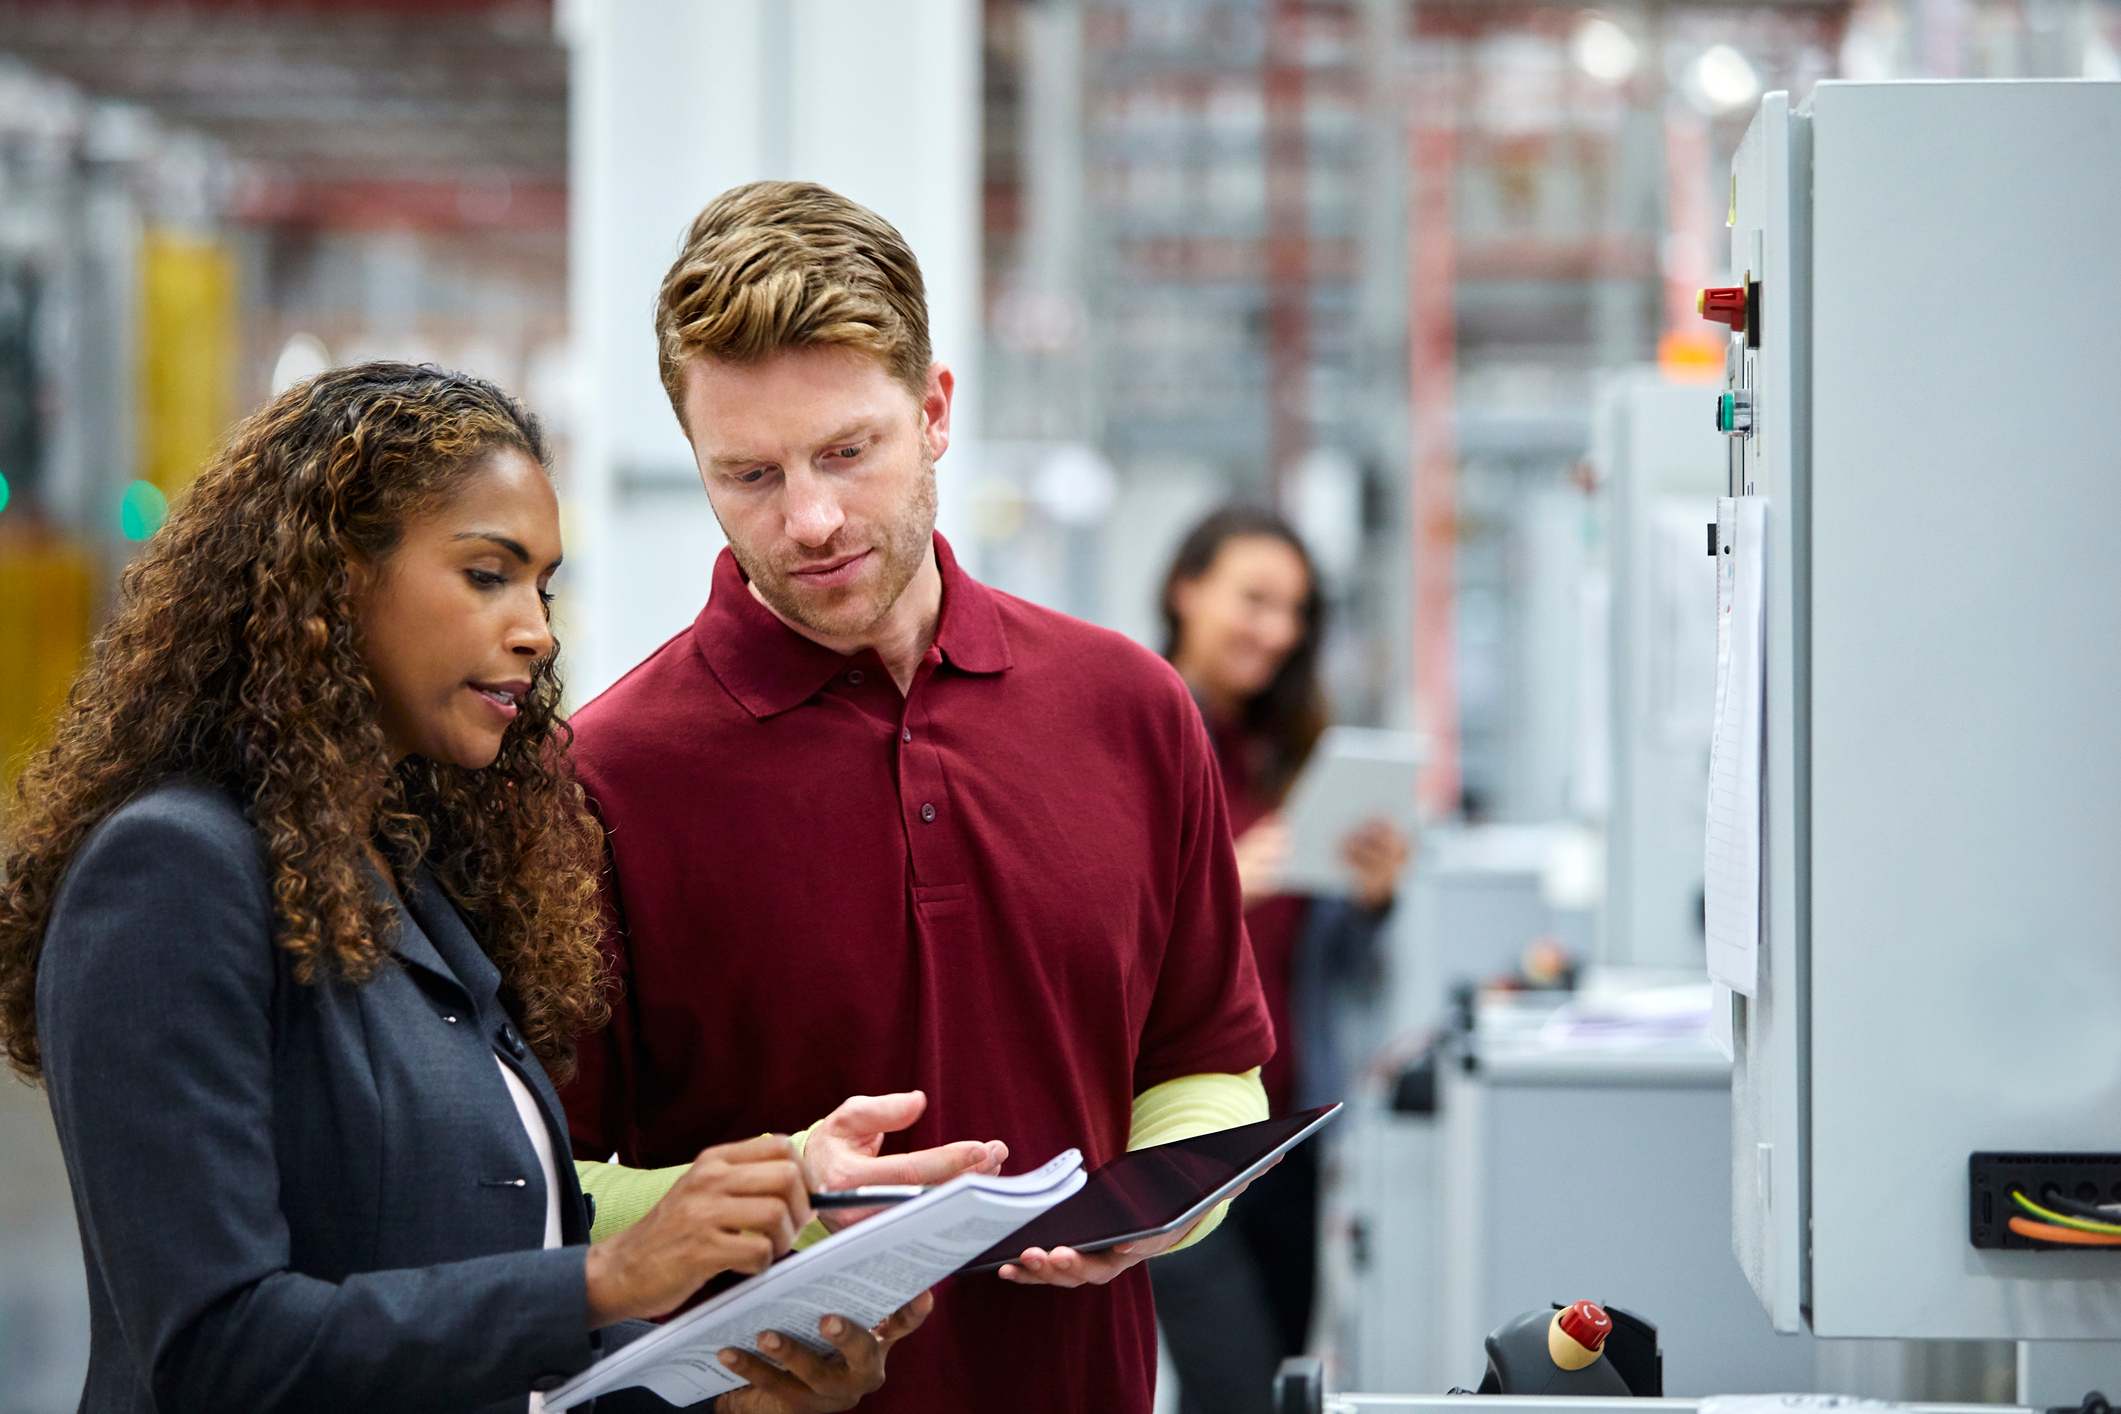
column 1190, row 1215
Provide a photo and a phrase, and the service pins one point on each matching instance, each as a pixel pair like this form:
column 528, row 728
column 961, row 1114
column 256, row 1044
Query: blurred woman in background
column 1243, row 621
column 298, row 909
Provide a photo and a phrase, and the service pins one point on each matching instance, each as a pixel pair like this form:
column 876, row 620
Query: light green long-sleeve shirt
column 1176, row 1109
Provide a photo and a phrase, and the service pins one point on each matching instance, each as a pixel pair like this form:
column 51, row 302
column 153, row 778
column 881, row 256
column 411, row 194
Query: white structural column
column 671, row 104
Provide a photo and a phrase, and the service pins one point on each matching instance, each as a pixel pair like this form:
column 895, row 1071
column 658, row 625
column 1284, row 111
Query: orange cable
column 2068, row 1236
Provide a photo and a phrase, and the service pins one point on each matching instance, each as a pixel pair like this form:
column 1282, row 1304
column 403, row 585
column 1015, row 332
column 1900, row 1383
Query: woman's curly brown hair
column 233, row 658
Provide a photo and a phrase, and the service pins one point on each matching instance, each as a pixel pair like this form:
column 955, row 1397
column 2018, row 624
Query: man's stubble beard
column 902, row 548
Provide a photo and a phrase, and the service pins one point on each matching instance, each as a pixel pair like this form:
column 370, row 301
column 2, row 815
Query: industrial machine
column 1914, row 899
column 1921, row 367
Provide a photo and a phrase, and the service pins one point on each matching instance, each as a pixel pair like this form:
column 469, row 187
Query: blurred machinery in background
column 1657, row 460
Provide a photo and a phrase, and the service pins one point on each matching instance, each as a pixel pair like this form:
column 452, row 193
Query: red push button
column 1725, row 304
column 1587, row 1324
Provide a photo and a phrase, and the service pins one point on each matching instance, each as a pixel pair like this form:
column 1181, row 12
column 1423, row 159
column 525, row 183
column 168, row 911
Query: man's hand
column 799, row 1381
column 843, row 1151
column 1064, row 1266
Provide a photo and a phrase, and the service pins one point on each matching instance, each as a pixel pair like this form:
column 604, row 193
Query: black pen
column 878, row 1195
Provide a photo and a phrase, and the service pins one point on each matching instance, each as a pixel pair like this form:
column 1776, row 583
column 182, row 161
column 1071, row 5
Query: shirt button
column 927, row 814
column 854, row 678
column 905, row 733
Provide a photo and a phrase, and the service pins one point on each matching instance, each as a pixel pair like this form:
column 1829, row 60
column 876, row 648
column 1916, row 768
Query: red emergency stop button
column 1576, row 1335
column 1587, row 1324
column 1725, row 304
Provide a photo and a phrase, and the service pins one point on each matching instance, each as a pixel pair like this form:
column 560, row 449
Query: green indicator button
column 141, row 510
column 3, row 491
column 1726, row 412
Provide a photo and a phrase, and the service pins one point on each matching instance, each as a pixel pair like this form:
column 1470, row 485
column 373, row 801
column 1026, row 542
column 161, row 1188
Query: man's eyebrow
column 845, row 433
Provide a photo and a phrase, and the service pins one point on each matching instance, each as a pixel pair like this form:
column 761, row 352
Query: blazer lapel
column 448, row 942
column 411, row 942
column 451, row 944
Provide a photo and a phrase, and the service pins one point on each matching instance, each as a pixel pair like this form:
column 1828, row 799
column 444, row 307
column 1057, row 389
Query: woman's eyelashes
column 490, row 579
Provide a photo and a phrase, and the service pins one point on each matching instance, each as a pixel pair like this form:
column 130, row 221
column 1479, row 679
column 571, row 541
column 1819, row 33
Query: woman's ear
column 1185, row 597
column 362, row 576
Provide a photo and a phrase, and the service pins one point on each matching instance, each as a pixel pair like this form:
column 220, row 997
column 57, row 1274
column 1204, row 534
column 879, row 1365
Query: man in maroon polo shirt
column 877, row 827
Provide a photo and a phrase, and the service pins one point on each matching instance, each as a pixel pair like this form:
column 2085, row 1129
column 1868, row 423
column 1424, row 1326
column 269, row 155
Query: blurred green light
column 3, row 490
column 141, row 510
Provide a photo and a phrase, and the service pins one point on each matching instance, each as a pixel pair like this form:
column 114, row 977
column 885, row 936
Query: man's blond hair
column 772, row 266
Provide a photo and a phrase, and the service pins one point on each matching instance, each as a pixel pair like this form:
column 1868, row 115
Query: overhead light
column 303, row 356
column 1725, row 78
column 2100, row 61
column 1075, row 485
column 1602, row 49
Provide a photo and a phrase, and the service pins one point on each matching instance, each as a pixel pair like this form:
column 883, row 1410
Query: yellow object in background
column 47, row 597
column 187, row 355
column 1686, row 356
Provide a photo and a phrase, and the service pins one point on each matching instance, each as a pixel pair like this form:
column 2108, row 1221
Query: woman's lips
column 503, row 700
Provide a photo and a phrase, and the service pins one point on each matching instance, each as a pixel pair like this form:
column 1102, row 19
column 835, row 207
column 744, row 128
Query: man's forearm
column 1193, row 1105
column 623, row 1195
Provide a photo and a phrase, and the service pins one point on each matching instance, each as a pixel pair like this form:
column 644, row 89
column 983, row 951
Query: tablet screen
column 1149, row 1189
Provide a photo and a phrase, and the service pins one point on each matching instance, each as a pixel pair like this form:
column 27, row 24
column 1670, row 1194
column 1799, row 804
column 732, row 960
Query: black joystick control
column 1565, row 1351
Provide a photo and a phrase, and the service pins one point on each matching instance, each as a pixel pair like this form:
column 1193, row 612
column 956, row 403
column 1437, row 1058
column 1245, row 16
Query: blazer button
column 510, row 1042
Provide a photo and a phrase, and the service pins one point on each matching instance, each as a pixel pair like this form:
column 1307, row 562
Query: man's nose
column 811, row 512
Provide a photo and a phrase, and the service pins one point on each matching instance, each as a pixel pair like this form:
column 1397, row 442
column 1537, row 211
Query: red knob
column 1725, row 304
column 1587, row 1324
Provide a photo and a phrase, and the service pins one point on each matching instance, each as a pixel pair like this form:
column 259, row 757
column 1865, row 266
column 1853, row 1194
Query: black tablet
column 1156, row 1190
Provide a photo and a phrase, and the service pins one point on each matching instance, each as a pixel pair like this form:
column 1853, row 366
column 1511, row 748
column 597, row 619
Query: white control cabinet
column 1933, row 375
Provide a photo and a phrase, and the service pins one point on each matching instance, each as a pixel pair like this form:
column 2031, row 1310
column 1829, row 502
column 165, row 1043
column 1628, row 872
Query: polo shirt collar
column 769, row 667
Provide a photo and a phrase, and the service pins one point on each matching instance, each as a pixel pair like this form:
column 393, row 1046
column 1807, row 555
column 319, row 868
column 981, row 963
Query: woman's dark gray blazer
column 293, row 1197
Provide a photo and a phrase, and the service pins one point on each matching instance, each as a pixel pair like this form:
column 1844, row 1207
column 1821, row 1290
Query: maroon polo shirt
column 1275, row 924
column 1012, row 888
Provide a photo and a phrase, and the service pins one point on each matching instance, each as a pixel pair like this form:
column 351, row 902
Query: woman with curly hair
column 297, row 911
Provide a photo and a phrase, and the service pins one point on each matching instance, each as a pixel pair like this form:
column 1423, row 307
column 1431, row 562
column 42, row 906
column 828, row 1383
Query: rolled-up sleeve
column 154, row 1005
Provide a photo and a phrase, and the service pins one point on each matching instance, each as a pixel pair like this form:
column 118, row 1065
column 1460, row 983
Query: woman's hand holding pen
column 736, row 1209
